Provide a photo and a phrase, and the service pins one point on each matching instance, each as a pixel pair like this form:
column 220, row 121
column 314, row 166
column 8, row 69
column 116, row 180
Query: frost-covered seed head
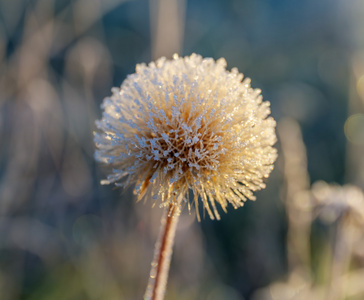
column 183, row 125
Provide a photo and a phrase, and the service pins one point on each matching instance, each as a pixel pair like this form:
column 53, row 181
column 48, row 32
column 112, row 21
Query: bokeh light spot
column 360, row 86
column 354, row 129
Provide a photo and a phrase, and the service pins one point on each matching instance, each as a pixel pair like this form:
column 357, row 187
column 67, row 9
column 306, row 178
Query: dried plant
column 297, row 182
column 186, row 124
column 340, row 208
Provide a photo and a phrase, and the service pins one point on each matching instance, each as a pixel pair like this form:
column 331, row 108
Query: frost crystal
column 187, row 124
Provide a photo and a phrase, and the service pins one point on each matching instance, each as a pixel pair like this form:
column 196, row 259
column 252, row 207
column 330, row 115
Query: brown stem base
column 162, row 254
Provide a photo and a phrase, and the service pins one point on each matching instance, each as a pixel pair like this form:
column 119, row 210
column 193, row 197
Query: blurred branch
column 31, row 56
column 354, row 151
column 167, row 25
column 296, row 182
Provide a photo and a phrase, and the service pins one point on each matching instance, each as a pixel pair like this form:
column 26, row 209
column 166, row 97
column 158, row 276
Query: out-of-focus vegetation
column 64, row 236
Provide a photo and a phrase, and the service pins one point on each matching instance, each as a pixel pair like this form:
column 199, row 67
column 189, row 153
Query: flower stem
column 341, row 260
column 162, row 254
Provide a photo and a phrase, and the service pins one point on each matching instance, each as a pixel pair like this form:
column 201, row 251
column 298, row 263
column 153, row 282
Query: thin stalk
column 162, row 254
column 341, row 259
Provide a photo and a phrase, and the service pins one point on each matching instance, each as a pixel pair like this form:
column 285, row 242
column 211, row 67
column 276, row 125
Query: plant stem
column 162, row 254
column 341, row 259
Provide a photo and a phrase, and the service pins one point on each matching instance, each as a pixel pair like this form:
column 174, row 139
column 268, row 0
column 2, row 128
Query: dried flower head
column 187, row 124
column 333, row 201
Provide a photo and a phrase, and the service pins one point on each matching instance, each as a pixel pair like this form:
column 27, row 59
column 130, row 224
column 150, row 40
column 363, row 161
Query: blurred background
column 64, row 236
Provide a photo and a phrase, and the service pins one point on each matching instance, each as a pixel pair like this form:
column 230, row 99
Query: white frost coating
column 187, row 123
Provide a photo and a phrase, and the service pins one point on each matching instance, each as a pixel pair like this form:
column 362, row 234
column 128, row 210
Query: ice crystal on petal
column 187, row 124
